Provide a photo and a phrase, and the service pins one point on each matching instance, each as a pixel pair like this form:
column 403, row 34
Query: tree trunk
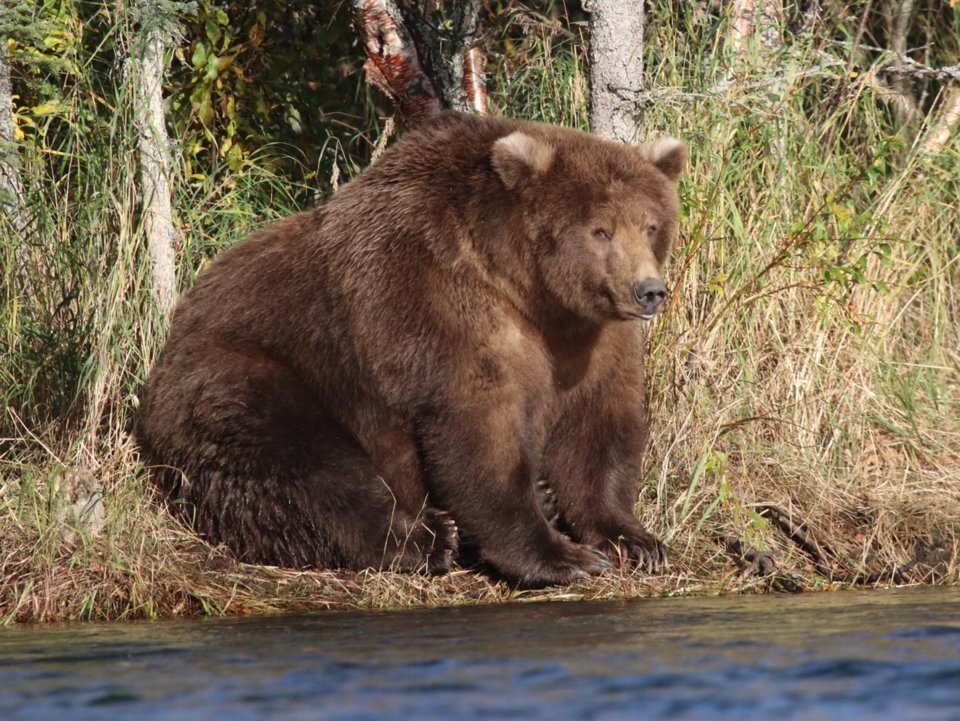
column 741, row 24
column 11, row 184
column 146, row 72
column 947, row 122
column 756, row 17
column 422, row 59
column 616, row 66
column 899, row 18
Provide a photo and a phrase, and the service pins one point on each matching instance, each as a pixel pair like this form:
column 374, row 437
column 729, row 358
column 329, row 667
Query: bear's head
column 599, row 216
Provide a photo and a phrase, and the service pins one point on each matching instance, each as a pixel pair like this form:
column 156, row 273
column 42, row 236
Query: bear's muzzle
column 649, row 294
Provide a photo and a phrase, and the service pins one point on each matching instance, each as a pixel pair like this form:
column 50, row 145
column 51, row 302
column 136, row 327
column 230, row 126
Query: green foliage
column 77, row 316
column 272, row 74
column 542, row 72
column 43, row 42
column 816, row 270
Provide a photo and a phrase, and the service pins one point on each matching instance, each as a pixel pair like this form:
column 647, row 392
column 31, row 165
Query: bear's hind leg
column 258, row 465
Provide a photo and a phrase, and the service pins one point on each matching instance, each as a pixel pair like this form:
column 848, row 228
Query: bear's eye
column 652, row 228
column 602, row 234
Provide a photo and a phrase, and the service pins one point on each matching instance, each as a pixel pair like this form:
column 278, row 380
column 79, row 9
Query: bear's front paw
column 564, row 563
column 637, row 546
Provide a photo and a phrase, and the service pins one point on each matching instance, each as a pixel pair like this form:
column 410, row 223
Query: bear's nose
column 649, row 294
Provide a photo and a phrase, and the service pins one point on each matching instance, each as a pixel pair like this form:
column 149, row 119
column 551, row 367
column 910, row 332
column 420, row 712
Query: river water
column 851, row 655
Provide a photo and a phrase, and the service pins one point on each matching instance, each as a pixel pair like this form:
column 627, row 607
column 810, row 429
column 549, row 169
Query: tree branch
column 912, row 69
column 826, row 66
column 730, row 87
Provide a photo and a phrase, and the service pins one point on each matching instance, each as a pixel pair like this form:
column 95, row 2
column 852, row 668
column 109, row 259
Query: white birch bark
column 146, row 73
column 899, row 18
column 616, row 66
column 760, row 17
column 11, row 183
column 741, row 24
column 945, row 125
column 423, row 66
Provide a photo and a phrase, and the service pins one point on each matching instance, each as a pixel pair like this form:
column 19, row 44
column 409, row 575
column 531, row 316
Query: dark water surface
column 853, row 655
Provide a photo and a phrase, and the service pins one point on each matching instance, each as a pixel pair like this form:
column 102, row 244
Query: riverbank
column 105, row 549
column 61, row 575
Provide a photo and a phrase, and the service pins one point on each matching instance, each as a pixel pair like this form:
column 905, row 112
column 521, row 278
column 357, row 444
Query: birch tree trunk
column 421, row 61
column 899, row 18
column 145, row 70
column 757, row 17
column 947, row 123
column 616, row 66
column 11, row 181
column 11, row 184
column 741, row 24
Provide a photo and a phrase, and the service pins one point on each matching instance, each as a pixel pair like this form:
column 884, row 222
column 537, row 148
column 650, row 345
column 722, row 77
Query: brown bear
column 369, row 382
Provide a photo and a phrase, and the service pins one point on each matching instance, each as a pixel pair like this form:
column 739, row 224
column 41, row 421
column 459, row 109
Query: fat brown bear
column 408, row 367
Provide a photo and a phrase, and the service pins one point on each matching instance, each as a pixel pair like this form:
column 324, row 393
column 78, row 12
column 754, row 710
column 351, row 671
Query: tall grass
column 810, row 358
column 808, row 361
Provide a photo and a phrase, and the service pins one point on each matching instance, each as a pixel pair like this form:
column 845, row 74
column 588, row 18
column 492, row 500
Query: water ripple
column 843, row 656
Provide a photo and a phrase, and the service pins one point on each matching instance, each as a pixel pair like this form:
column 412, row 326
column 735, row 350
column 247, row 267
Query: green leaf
column 199, row 58
column 205, row 111
column 758, row 522
column 213, row 31
column 235, row 157
column 46, row 109
column 213, row 67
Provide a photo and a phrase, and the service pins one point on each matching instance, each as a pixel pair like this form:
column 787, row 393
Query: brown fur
column 451, row 327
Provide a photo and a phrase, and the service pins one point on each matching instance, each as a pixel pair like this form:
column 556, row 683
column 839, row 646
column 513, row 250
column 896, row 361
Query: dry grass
column 141, row 563
column 811, row 359
column 805, row 382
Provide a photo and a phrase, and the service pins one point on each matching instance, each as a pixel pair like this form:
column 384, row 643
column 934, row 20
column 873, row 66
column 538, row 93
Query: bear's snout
column 650, row 294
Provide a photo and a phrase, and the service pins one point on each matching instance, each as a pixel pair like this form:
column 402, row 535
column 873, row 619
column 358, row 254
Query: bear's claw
column 446, row 541
column 599, row 563
column 649, row 553
column 547, row 500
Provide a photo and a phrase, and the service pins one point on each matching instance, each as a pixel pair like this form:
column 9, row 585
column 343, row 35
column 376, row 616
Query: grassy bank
column 804, row 383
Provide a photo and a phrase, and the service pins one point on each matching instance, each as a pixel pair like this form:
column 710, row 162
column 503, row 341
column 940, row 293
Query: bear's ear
column 668, row 154
column 518, row 156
